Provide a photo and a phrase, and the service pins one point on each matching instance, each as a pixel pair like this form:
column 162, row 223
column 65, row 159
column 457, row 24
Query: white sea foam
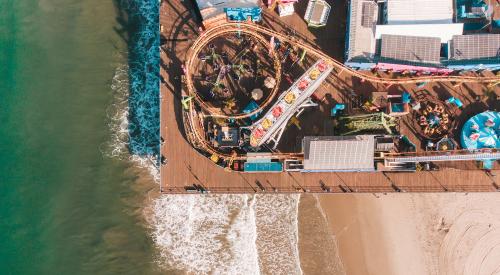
column 206, row 234
column 117, row 115
column 149, row 163
column 227, row 234
column 277, row 231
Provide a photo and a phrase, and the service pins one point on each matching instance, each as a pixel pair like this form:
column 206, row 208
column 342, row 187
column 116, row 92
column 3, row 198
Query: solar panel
column 414, row 50
column 368, row 14
column 475, row 46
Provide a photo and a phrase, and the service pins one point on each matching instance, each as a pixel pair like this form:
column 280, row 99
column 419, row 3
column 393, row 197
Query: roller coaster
column 193, row 117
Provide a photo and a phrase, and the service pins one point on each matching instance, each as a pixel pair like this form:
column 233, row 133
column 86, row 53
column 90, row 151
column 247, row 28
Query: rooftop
column 361, row 41
column 478, row 46
column 413, row 50
column 369, row 16
column 338, row 153
column 419, row 11
column 445, row 32
column 472, row 43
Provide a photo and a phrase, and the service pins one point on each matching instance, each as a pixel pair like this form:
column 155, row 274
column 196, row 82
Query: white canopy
column 419, row 11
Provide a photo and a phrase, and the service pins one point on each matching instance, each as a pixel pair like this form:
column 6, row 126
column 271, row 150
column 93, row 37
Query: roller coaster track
column 258, row 31
column 199, row 141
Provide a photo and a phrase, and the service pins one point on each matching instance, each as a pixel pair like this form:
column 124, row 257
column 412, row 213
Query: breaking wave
column 118, row 145
column 117, row 116
column 227, row 234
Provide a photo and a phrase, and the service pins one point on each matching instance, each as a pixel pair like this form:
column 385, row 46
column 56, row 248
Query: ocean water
column 66, row 206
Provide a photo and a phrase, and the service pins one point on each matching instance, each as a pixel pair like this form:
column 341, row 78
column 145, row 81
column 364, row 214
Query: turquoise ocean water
column 66, row 207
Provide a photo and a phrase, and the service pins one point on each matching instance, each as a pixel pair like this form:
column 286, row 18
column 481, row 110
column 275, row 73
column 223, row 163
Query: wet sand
column 453, row 233
column 318, row 249
column 372, row 232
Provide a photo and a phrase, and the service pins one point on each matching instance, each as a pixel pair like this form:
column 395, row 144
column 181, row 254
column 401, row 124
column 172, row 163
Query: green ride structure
column 370, row 122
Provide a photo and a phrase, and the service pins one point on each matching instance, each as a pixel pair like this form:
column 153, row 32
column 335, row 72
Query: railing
column 336, row 189
column 464, row 157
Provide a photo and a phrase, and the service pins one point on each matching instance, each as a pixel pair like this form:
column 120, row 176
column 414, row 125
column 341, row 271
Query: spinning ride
column 482, row 131
column 434, row 120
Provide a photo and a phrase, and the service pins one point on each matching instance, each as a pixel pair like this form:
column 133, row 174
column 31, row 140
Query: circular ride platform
column 230, row 69
column 433, row 120
column 482, row 131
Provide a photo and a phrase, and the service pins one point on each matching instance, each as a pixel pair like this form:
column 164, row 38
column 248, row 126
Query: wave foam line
column 277, row 230
column 227, row 234
column 206, row 234
column 118, row 122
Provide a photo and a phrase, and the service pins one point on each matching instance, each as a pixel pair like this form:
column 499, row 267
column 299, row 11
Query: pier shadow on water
column 139, row 20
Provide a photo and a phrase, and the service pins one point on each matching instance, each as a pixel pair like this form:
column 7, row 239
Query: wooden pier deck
column 185, row 166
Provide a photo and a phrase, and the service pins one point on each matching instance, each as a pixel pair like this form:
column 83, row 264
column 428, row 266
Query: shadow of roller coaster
column 192, row 118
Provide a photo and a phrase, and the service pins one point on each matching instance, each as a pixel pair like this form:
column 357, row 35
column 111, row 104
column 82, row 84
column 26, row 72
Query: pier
column 186, row 170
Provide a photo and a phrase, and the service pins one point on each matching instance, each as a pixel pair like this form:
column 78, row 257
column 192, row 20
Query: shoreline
column 376, row 233
column 355, row 229
column 318, row 247
column 373, row 230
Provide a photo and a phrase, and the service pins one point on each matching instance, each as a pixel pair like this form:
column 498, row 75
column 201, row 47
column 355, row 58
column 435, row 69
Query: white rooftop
column 317, row 12
column 475, row 46
column 419, row 11
column 339, row 153
column 413, row 50
column 443, row 31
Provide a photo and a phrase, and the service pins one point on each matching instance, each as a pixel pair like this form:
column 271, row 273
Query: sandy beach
column 446, row 233
column 455, row 233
